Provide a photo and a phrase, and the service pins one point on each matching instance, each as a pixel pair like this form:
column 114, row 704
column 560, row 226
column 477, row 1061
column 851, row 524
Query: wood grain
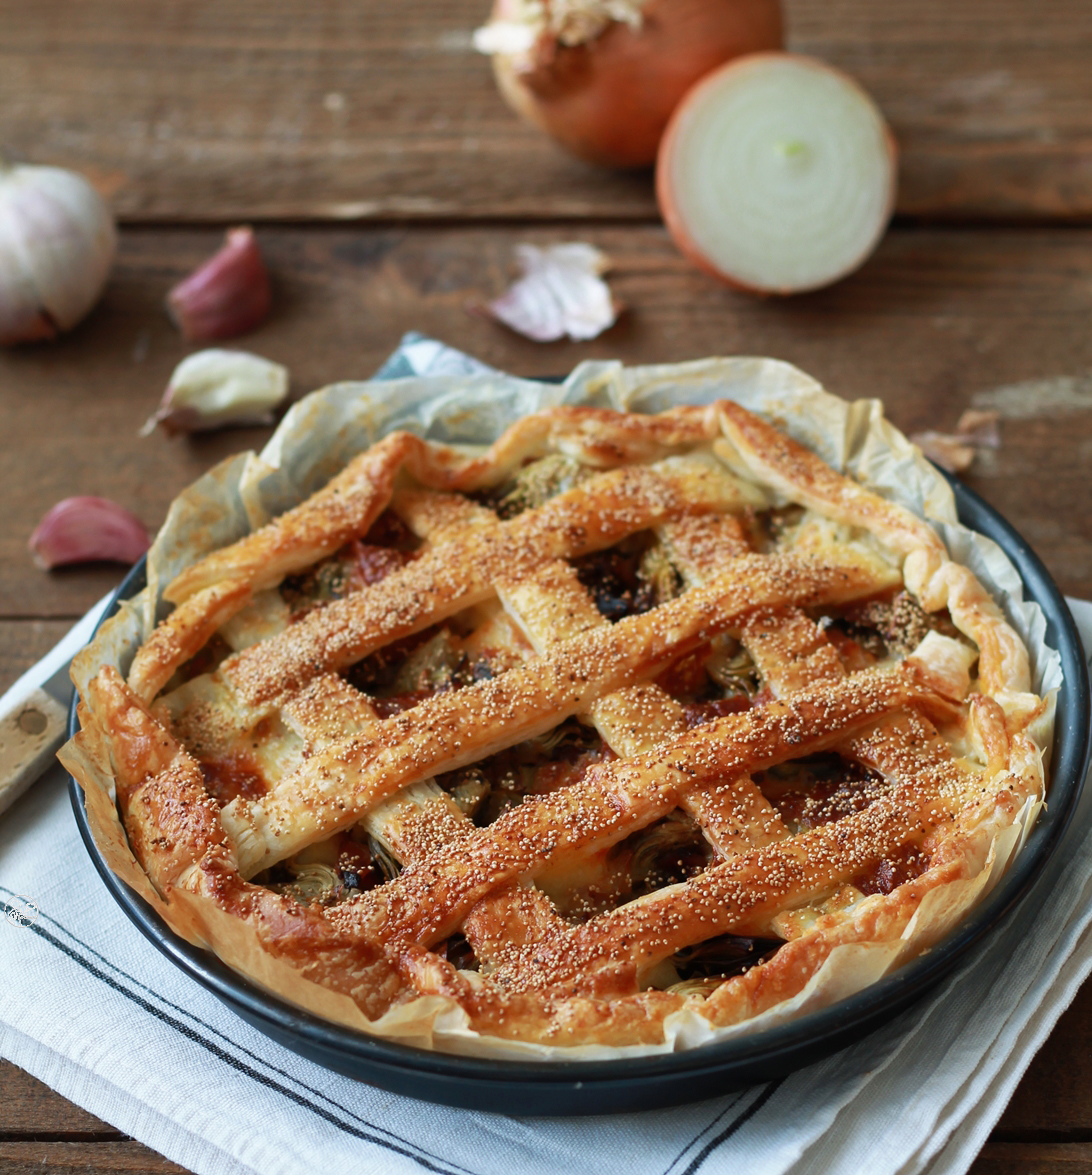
column 27, row 1107
column 1033, row 1159
column 131, row 1158
column 22, row 642
column 1054, row 1099
column 937, row 317
column 107, row 1158
column 358, row 109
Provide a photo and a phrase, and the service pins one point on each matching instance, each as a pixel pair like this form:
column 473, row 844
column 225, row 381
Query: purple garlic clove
column 227, row 296
column 85, row 529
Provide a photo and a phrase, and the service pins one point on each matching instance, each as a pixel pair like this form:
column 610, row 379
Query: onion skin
column 609, row 100
column 676, row 226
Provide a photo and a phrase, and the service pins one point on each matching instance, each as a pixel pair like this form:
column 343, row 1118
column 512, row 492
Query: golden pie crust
column 796, row 744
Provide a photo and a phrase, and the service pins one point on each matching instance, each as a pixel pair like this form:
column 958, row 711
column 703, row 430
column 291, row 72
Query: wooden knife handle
column 31, row 733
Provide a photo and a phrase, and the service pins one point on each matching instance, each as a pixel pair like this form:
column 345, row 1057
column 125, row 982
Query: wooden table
column 389, row 184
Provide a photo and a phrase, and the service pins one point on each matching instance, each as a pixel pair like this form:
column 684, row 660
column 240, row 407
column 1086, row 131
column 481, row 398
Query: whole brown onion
column 608, row 100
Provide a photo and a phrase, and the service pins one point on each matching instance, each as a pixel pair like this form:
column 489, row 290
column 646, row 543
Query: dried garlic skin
column 560, row 292
column 57, row 244
column 214, row 388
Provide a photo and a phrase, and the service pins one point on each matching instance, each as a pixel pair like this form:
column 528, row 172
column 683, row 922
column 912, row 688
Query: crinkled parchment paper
column 322, row 432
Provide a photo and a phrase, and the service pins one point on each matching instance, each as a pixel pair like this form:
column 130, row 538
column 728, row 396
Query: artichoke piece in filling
column 405, row 673
column 629, row 578
column 669, row 851
column 718, row 679
column 387, row 546
column 330, row 872
column 534, row 767
column 536, row 483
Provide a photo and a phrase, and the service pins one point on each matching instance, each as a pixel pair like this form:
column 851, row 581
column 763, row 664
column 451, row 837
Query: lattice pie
column 628, row 724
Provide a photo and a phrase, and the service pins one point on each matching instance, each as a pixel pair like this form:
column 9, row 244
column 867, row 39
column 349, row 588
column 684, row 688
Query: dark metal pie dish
column 594, row 1087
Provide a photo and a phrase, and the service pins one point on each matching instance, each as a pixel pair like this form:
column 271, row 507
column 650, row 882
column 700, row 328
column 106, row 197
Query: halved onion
column 602, row 78
column 777, row 174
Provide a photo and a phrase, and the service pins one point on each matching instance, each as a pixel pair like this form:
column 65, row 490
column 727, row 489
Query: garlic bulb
column 57, row 243
column 214, row 387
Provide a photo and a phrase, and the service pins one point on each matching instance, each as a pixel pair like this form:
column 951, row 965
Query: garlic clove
column 216, row 387
column 227, row 296
column 57, row 244
column 561, row 292
column 83, row 529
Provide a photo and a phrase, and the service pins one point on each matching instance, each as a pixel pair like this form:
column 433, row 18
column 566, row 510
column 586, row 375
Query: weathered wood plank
column 107, row 1158
column 131, row 1158
column 1006, row 1158
column 22, row 642
column 989, row 102
column 285, row 109
column 1054, row 1097
column 934, row 319
column 29, row 1107
column 260, row 109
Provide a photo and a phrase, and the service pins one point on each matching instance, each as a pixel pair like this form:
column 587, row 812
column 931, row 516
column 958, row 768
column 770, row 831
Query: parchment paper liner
column 316, row 439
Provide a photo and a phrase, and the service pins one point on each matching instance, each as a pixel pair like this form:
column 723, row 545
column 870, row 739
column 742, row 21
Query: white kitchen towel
column 91, row 1008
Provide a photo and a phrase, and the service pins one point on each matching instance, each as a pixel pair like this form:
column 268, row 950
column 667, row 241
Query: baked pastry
column 629, row 729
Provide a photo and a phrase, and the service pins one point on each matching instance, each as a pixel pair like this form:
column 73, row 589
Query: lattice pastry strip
column 333, row 788
column 453, row 576
column 450, row 577
column 422, row 817
column 551, row 605
column 805, row 870
column 425, row 905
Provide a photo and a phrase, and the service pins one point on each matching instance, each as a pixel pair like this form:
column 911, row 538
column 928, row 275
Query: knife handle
column 31, row 733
